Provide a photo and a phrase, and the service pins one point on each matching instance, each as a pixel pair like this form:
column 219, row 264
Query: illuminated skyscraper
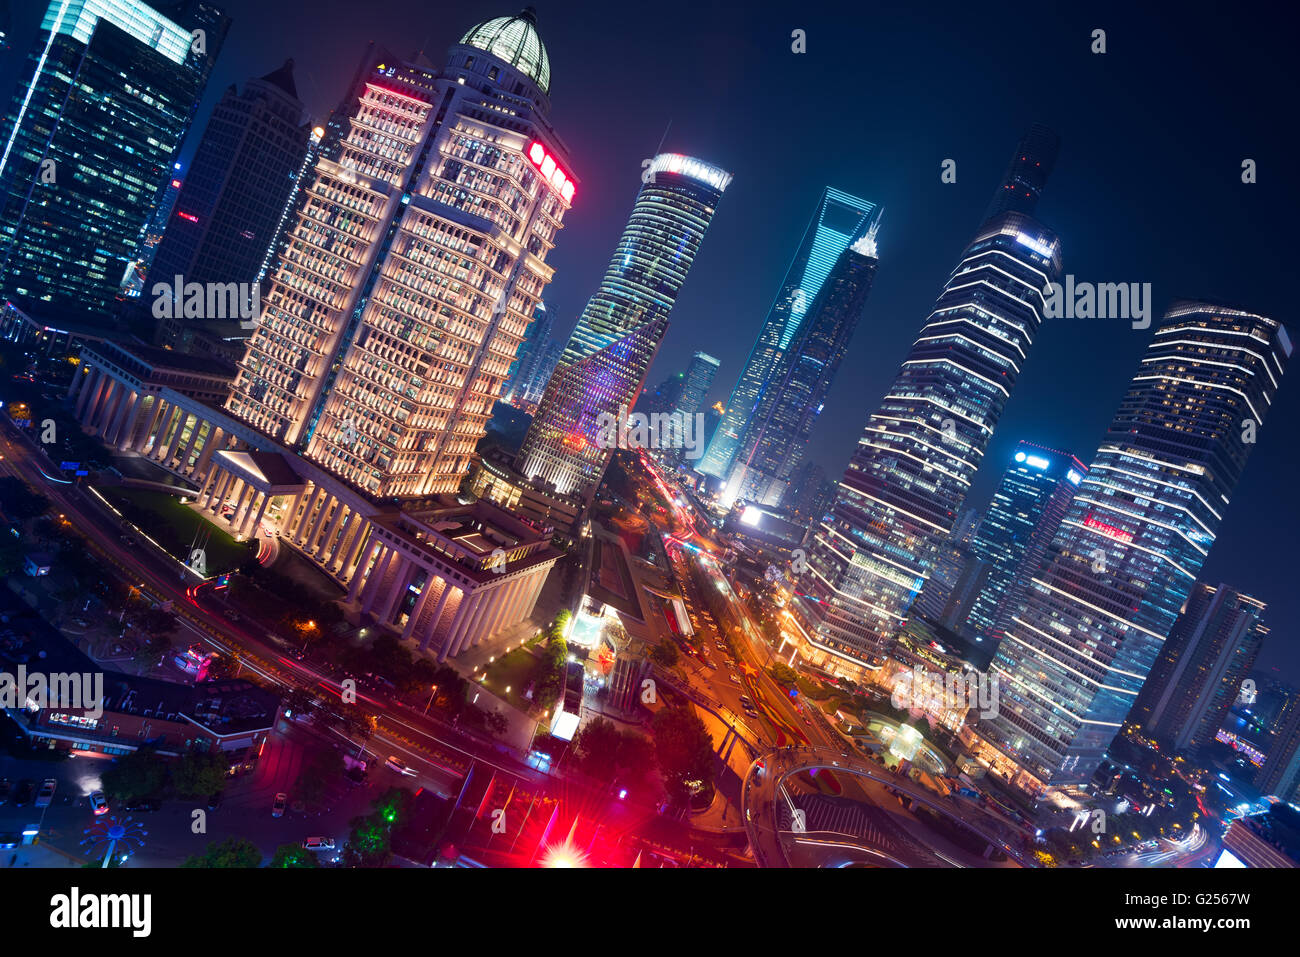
column 1132, row 543
column 782, row 423
column 87, row 147
column 1026, row 510
column 414, row 268
column 921, row 448
column 1197, row 677
column 839, row 220
column 699, row 379
column 607, row 357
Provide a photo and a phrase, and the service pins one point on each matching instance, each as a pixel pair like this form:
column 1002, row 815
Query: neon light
column 190, row 216
column 1037, row 461
column 1110, row 531
column 1074, row 476
column 551, row 170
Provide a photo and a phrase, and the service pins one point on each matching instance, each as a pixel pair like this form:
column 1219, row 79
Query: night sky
column 1147, row 188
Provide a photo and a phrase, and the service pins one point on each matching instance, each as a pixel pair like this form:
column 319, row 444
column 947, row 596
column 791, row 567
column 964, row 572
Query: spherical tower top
column 515, row 40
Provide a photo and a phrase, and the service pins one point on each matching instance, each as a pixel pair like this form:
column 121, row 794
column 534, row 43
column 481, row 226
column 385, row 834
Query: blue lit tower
column 782, row 423
column 838, row 220
column 88, row 144
column 921, row 448
column 1026, row 510
column 606, row 360
column 1132, row 543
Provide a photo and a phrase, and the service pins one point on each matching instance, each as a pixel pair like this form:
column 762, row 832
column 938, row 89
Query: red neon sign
column 190, row 216
column 551, row 171
column 1110, row 531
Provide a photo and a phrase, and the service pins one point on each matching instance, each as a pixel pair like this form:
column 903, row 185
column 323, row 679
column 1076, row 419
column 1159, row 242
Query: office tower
column 956, row 574
column 533, row 388
column 339, row 123
column 838, row 220
column 1196, row 678
column 1131, row 545
column 414, row 268
column 531, row 352
column 231, row 206
column 1022, row 518
column 777, row 435
column 699, row 379
column 92, row 135
column 1280, row 772
column 605, row 362
column 920, row 449
column 809, row 494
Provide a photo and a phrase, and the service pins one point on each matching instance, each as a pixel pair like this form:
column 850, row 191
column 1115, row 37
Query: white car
column 98, row 803
column 318, row 844
column 46, row 793
column 400, row 766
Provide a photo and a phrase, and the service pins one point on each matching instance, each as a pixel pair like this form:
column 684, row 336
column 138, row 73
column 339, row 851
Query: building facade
column 1128, row 552
column 1197, row 677
column 782, row 422
column 606, row 360
column 910, row 473
column 838, row 221
column 89, row 144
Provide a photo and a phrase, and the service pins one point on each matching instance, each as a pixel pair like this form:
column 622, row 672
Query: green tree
column 665, row 654
column 370, row 843
column 684, row 751
column 199, row 774
column 139, row 774
column 293, row 855
column 596, row 747
column 232, row 852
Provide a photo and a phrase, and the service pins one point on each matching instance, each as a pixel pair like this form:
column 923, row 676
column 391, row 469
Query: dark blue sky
column 1147, row 187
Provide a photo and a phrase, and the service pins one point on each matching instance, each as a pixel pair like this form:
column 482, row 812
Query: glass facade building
column 782, row 423
column 89, row 142
column 606, row 360
column 838, row 221
column 913, row 466
column 1133, row 542
column 1021, row 520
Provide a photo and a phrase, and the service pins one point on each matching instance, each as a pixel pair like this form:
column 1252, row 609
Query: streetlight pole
column 430, row 701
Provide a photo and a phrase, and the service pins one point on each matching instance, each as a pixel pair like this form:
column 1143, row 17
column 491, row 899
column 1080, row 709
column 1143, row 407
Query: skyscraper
column 699, row 379
column 919, row 451
column 530, row 354
column 90, row 140
column 779, row 428
column 1280, row 772
column 414, row 268
column 1132, row 543
column 229, row 212
column 838, row 220
column 1026, row 510
column 607, row 357
column 1198, row 674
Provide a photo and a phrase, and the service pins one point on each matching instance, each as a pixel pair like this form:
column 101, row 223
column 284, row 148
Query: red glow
column 190, row 216
column 1110, row 531
column 575, row 441
column 176, row 184
column 551, row 170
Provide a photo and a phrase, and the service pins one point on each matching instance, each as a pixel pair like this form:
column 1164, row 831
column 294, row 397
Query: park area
column 178, row 528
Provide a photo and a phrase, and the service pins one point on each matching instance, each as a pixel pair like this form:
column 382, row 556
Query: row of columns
column 479, row 614
column 326, row 530
column 250, row 502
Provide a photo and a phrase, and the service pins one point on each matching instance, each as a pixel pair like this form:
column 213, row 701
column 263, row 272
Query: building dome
column 515, row 40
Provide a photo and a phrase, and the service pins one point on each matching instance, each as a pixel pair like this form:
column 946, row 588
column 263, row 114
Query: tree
column 19, row 502
column 293, row 855
column 232, row 852
column 139, row 774
column 596, row 747
column 199, row 773
column 665, row 654
column 684, row 751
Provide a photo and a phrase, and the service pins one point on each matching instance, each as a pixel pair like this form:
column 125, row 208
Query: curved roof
column 515, row 40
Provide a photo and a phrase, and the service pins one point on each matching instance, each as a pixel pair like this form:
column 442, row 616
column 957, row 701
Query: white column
column 310, row 544
column 95, row 376
column 355, row 588
column 343, row 548
column 125, row 410
column 241, row 501
column 103, row 416
column 447, row 589
column 418, row 610
column 464, row 612
column 189, row 446
column 304, row 523
column 475, row 622
column 210, row 445
column 327, row 545
column 142, row 437
column 375, row 582
column 254, row 518
column 363, row 528
column 78, row 379
column 400, row 580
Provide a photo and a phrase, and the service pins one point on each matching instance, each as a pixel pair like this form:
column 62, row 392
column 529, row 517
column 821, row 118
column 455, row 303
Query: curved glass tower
column 839, row 220
column 606, row 360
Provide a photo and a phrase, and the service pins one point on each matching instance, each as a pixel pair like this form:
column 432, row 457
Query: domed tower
column 416, row 267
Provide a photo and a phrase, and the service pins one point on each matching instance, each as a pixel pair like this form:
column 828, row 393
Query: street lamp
column 430, row 701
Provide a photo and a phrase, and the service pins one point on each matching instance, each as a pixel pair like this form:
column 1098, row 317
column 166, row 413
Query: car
column 10, row 839
column 46, row 794
column 144, row 804
column 746, row 702
column 281, row 801
column 393, row 762
column 5, row 788
column 318, row 844
column 98, row 803
column 733, row 679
